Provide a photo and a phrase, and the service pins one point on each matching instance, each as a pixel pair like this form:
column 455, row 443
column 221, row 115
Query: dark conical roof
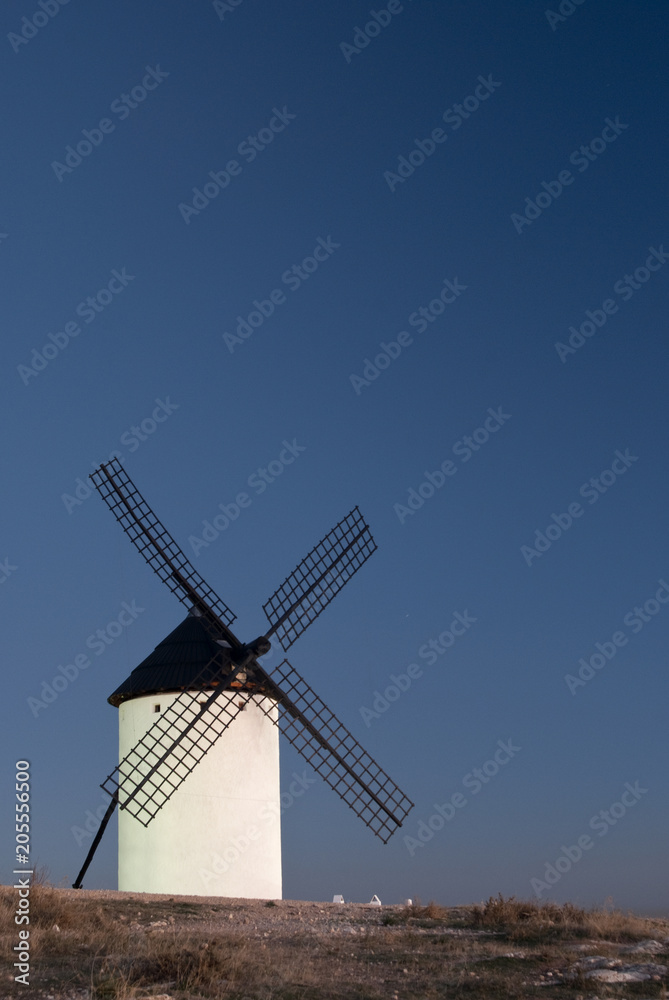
column 173, row 665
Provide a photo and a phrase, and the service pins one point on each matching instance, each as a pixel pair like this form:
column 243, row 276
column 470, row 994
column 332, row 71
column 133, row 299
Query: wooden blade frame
column 149, row 775
column 334, row 753
column 155, row 544
column 314, row 582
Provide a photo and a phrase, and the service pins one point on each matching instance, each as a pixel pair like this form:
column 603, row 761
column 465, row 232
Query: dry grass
column 117, row 948
column 120, row 946
column 529, row 919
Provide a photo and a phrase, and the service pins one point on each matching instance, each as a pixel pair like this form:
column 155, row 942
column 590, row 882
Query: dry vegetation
column 122, row 946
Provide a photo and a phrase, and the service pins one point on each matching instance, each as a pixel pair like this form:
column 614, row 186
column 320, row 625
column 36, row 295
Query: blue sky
column 509, row 160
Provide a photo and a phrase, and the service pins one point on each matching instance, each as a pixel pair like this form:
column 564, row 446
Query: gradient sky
column 531, row 90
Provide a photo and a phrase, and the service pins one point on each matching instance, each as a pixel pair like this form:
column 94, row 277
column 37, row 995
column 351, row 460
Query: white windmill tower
column 220, row 833
column 184, row 794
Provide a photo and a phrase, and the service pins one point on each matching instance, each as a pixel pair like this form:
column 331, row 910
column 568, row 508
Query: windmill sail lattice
column 314, row 582
column 155, row 544
column 162, row 759
column 173, row 746
column 335, row 754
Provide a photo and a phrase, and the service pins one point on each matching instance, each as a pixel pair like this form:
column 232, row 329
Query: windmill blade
column 156, row 545
column 318, row 578
column 332, row 751
column 164, row 754
column 162, row 759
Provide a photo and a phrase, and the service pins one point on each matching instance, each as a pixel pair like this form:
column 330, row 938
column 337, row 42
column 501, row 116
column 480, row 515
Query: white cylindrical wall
column 220, row 833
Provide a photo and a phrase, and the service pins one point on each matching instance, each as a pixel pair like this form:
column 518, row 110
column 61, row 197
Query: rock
column 648, row 947
column 627, row 973
column 613, row 970
column 590, row 946
column 598, row 962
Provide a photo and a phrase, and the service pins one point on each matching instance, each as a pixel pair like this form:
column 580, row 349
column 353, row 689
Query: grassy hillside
column 124, row 946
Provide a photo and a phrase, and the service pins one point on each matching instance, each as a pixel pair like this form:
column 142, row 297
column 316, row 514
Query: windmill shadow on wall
column 182, row 791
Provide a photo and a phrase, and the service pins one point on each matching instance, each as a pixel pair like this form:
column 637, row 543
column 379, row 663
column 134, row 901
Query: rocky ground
column 90, row 945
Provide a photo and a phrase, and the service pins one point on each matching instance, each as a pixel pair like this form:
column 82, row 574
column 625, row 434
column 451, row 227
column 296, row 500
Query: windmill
column 182, row 791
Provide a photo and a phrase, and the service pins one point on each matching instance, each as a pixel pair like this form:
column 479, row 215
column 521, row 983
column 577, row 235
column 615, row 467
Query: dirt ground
column 107, row 945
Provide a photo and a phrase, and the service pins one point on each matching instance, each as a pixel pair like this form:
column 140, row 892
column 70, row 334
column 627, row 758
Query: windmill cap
column 174, row 664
